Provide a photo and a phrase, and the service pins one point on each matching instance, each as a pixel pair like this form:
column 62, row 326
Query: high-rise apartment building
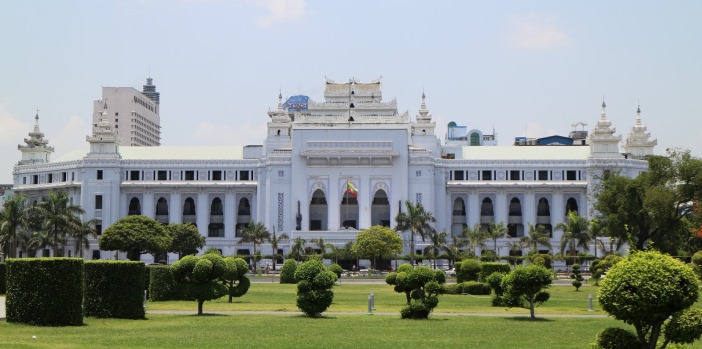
column 135, row 114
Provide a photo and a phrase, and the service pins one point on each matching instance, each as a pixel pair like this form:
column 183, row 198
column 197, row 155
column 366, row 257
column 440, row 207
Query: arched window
column 459, row 207
column 571, row 206
column 134, row 207
column 189, row 207
column 475, row 138
column 515, row 207
column 162, row 207
column 216, row 207
column 543, row 208
column 244, row 207
column 486, row 208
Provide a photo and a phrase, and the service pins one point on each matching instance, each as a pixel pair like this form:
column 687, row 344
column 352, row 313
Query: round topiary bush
column 314, row 283
column 617, row 338
column 469, row 271
column 287, row 272
column 336, row 269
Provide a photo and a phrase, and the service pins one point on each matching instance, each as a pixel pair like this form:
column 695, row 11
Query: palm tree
column 256, row 234
column 438, row 242
column 596, row 230
column 59, row 217
column 322, row 245
column 538, row 236
column 14, row 219
column 574, row 232
column 475, row 238
column 38, row 240
column 416, row 220
column 85, row 230
column 275, row 241
column 453, row 250
column 495, row 232
column 297, row 250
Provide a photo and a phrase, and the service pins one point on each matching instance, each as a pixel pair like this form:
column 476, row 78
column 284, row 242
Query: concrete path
column 331, row 313
column 2, row 307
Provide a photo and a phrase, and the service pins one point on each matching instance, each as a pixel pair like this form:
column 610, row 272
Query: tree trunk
column 412, row 248
column 409, row 298
column 133, row 255
column 199, row 307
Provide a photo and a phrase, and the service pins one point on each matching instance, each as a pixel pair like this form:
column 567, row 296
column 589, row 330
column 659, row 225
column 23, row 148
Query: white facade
column 134, row 114
column 296, row 182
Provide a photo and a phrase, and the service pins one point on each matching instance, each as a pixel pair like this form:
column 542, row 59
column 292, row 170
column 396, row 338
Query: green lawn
column 288, row 330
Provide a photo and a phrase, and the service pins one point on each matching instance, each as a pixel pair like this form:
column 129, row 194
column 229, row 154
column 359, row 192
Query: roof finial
column 603, row 102
column 280, row 99
column 36, row 117
column 638, row 109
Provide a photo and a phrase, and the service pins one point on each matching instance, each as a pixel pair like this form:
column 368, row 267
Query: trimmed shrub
column 577, row 275
column 548, row 260
column 163, row 287
column 287, row 272
column 3, row 286
column 234, row 277
column 486, row 269
column 469, row 271
column 469, row 287
column 314, row 294
column 114, row 289
column 336, row 269
column 616, row 338
column 45, row 291
column 421, row 287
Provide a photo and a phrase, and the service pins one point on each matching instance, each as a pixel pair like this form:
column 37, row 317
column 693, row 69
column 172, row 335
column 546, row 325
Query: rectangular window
column 243, row 175
column 24, row 180
column 99, row 174
column 458, row 175
column 216, row 175
column 134, row 175
column 543, row 175
column 98, row 228
column 486, row 175
column 96, row 254
column 189, row 175
column 162, row 175
column 515, row 175
column 50, row 178
column 571, row 175
column 98, row 202
column 35, row 179
column 63, row 176
column 73, row 176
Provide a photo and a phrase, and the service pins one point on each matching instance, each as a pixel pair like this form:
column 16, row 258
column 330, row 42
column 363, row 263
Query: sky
column 522, row 68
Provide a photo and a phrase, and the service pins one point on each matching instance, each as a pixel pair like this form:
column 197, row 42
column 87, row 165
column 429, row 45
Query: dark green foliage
column 202, row 275
column 685, row 326
column 547, row 260
column 697, row 263
column 314, row 283
column 163, row 287
column 469, row 271
column 377, row 241
column 186, row 239
column 487, row 268
column 3, row 286
column 495, row 283
column 617, row 338
column 523, row 288
column 469, row 287
column 114, row 289
column 648, row 288
column 234, row 277
column 136, row 235
column 577, row 276
column 45, row 291
column 421, row 286
column 287, row 272
column 336, row 269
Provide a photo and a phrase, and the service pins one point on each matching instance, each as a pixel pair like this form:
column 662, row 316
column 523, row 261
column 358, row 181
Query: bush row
column 163, row 287
column 469, row 287
column 3, row 286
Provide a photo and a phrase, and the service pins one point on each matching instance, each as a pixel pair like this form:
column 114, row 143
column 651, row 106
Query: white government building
column 296, row 181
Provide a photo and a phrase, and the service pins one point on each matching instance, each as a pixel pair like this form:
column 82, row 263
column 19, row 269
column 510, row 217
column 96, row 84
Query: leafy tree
column 81, row 233
column 523, row 287
column 653, row 292
column 421, row 287
column 454, row 249
column 58, row 217
column 256, row 234
column 494, row 233
column 13, row 220
column 599, row 266
column 574, row 233
column 595, row 231
column 186, row 239
column 275, row 242
column 475, row 238
column 653, row 207
column 537, row 236
column 201, row 275
column 297, row 250
column 136, row 235
column 377, row 241
column 314, row 284
column 417, row 221
column 234, row 277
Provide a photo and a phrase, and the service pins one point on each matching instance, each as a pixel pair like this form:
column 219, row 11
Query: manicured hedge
column 469, row 270
column 3, row 285
column 163, row 287
column 469, row 287
column 287, row 273
column 114, row 289
column 45, row 291
column 487, row 268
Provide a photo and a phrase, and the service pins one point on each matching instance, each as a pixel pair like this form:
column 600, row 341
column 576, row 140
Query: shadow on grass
column 321, row 317
column 207, row 315
column 528, row 319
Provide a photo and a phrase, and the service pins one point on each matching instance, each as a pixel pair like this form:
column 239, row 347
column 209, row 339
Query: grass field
column 447, row 328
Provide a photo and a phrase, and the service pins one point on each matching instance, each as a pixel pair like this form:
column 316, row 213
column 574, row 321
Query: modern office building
column 296, row 182
column 134, row 114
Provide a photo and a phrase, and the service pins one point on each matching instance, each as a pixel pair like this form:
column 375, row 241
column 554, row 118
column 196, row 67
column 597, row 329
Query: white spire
column 638, row 142
column 423, row 116
column 603, row 142
column 36, row 148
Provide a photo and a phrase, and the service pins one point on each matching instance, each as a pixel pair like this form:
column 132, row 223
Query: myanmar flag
column 351, row 189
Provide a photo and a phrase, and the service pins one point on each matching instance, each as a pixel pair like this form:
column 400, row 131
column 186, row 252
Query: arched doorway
column 349, row 208
column 458, row 217
column 543, row 215
column 487, row 213
column 514, row 224
column 318, row 211
column 216, row 227
column 189, row 211
column 380, row 209
column 134, row 207
column 162, row 210
column 243, row 215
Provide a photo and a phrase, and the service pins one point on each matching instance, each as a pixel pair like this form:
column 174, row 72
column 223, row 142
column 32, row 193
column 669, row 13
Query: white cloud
column 71, row 136
column 536, row 31
column 211, row 134
column 281, row 11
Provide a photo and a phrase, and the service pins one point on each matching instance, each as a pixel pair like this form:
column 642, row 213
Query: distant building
column 329, row 169
column 134, row 114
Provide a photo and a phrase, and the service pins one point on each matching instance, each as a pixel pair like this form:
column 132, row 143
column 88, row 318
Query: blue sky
column 526, row 68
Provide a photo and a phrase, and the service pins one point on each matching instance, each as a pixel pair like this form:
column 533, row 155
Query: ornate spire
column 279, row 115
column 423, row 116
column 603, row 142
column 36, row 148
column 638, row 142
